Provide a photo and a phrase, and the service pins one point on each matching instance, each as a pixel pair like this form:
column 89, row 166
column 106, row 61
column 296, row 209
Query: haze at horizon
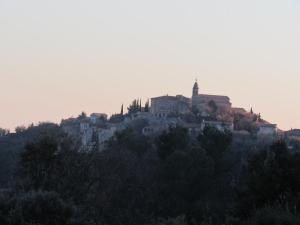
column 59, row 58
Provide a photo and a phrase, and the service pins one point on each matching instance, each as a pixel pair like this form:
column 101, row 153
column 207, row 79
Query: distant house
column 293, row 138
column 293, row 133
column 267, row 130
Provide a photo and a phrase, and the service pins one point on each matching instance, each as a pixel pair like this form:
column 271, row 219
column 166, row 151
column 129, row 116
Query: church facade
column 166, row 105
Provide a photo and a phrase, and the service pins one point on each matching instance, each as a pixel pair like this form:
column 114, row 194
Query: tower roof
column 196, row 85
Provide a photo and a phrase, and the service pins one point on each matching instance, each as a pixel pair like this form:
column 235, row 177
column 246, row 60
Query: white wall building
column 267, row 130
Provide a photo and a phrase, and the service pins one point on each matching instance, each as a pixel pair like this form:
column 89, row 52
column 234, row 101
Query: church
column 173, row 105
column 201, row 101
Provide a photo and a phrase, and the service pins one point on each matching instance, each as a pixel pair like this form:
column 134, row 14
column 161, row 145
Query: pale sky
column 61, row 57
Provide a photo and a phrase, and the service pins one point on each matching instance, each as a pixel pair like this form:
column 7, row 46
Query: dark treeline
column 171, row 179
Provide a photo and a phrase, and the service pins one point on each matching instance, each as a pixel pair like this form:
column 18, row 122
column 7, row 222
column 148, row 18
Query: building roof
column 98, row 115
column 217, row 97
column 165, row 97
column 172, row 98
column 235, row 109
column 269, row 125
column 292, row 132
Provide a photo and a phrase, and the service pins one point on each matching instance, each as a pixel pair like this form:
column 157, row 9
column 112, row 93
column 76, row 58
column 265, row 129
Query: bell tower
column 195, row 96
column 196, row 89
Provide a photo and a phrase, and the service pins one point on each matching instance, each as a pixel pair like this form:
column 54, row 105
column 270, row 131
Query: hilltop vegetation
column 170, row 179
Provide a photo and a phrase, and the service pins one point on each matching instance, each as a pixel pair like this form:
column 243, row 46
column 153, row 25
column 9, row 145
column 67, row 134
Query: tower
column 195, row 96
column 195, row 89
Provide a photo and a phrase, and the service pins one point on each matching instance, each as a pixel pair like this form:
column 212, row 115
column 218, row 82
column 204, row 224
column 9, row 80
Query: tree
column 20, row 129
column 259, row 117
column 116, row 118
column 122, row 110
column 134, row 107
column 82, row 116
column 175, row 138
column 39, row 164
column 215, row 142
column 180, row 220
column 273, row 215
column 3, row 132
column 147, row 106
column 270, row 178
column 130, row 140
column 35, row 208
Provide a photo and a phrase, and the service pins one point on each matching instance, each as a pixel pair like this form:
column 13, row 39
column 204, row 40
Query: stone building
column 293, row 133
column 202, row 101
column 163, row 106
column 86, row 133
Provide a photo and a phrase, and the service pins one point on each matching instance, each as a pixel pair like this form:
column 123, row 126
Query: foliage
column 122, row 110
column 215, row 142
column 82, row 116
column 44, row 208
column 116, row 118
column 147, row 106
column 271, row 177
column 176, row 138
column 138, row 180
column 180, row 220
column 274, row 216
column 38, row 163
column 135, row 106
column 3, row 132
column 20, row 129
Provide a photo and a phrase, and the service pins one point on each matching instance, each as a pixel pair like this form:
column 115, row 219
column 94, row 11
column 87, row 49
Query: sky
column 61, row 57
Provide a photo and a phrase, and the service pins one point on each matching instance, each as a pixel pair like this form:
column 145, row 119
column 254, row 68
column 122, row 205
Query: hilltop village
column 173, row 160
column 193, row 113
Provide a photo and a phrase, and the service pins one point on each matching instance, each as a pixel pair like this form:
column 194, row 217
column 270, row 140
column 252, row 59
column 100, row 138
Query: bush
column 274, row 216
column 44, row 208
column 181, row 220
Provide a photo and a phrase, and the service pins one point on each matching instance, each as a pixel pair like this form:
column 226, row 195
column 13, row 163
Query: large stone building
column 166, row 105
column 163, row 106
